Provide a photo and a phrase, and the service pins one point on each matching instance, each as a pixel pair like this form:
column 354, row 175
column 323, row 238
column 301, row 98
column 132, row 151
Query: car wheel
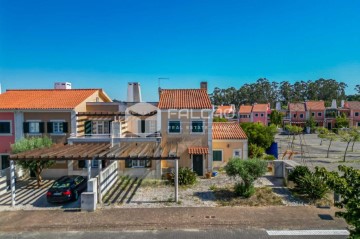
column 76, row 195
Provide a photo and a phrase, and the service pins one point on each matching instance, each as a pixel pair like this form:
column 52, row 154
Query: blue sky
column 105, row 44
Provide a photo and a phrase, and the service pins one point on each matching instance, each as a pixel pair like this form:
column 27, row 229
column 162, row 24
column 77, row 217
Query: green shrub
column 256, row 151
column 242, row 190
column 299, row 171
column 248, row 171
column 186, row 177
column 312, row 186
column 269, row 157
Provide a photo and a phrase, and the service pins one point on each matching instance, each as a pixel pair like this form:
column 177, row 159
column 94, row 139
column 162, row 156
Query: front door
column 329, row 125
column 198, row 164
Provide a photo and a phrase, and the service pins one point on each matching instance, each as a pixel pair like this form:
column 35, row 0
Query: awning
column 198, row 150
column 98, row 151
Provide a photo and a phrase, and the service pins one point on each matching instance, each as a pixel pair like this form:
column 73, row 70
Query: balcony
column 106, row 138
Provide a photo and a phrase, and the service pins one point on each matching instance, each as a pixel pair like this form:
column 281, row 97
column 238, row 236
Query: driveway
column 30, row 197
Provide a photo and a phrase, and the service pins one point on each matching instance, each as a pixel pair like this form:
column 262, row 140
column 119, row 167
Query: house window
column 237, row 153
column 5, row 127
column 5, row 162
column 81, row 164
column 138, row 163
column 256, row 115
column 57, row 127
column 100, row 127
column 197, row 126
column 262, row 115
column 319, row 114
column 217, row 155
column 301, row 116
column 312, row 114
column 174, row 127
column 34, row 127
column 294, row 116
column 356, row 113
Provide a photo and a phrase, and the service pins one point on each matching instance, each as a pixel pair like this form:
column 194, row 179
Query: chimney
column 203, row 85
column 0, row 89
column 342, row 102
column 134, row 92
column 333, row 104
column 278, row 106
column 62, row 86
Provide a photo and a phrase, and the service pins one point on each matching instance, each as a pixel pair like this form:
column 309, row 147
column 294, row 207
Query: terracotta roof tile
column 184, row 99
column 245, row 109
column 198, row 150
column 260, row 107
column 296, row 106
column 224, row 109
column 315, row 105
column 227, row 130
column 354, row 105
column 44, row 99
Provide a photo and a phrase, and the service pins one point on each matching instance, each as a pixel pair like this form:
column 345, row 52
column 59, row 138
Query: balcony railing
column 108, row 136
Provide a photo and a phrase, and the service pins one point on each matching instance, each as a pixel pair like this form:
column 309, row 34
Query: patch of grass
column 212, row 187
column 263, row 196
column 327, row 200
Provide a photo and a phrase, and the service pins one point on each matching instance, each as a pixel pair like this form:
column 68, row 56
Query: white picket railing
column 108, row 177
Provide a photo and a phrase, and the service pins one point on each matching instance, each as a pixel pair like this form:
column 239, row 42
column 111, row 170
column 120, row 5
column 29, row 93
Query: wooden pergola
column 100, row 151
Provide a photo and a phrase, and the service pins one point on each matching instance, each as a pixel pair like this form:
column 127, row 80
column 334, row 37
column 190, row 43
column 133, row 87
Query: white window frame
column 222, row 155
column 32, row 122
column 240, row 153
column 203, row 123
column 7, row 121
column 136, row 163
column 168, row 127
column 103, row 124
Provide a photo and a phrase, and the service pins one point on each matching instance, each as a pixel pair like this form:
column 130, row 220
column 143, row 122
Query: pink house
column 354, row 107
column 245, row 113
column 297, row 114
column 260, row 113
column 316, row 109
column 7, row 137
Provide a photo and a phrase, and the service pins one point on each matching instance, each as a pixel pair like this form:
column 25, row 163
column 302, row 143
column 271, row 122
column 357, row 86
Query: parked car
column 66, row 188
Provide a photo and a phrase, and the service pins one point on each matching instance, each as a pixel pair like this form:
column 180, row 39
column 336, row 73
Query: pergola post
column 176, row 180
column 89, row 170
column 100, row 182
column 12, row 182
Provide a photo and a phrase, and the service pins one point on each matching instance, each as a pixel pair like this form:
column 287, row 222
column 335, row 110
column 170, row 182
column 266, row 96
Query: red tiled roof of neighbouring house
column 224, row 109
column 296, row 106
column 198, row 150
column 227, row 130
column 260, row 107
column 184, row 99
column 44, row 99
column 354, row 105
column 245, row 109
column 315, row 105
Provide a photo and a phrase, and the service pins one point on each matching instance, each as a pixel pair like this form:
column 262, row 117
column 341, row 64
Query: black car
column 66, row 188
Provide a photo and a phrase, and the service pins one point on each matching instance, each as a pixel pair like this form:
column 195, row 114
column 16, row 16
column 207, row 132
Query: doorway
column 198, row 164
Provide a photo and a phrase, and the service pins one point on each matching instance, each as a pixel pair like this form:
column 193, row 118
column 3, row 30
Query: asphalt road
column 174, row 234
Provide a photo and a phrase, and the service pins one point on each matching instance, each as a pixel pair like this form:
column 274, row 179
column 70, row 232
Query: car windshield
column 65, row 183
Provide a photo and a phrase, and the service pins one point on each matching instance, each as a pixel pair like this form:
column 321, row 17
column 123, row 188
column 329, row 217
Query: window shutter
column 128, row 163
column 42, row 127
column 50, row 127
column 88, row 127
column 65, row 127
column 26, row 127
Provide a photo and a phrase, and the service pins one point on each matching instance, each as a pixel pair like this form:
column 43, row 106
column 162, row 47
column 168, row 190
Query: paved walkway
column 268, row 218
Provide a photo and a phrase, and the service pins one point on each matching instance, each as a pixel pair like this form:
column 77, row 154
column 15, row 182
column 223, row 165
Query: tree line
column 265, row 91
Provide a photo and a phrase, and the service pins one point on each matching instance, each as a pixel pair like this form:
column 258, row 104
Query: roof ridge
column 185, row 89
column 53, row 89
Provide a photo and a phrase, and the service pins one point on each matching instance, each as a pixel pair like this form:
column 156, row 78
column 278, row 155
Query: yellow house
column 229, row 140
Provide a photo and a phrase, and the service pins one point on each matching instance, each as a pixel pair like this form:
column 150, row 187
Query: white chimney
column 342, row 103
column 62, row 86
column 134, row 92
column 0, row 89
column 333, row 104
column 278, row 106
